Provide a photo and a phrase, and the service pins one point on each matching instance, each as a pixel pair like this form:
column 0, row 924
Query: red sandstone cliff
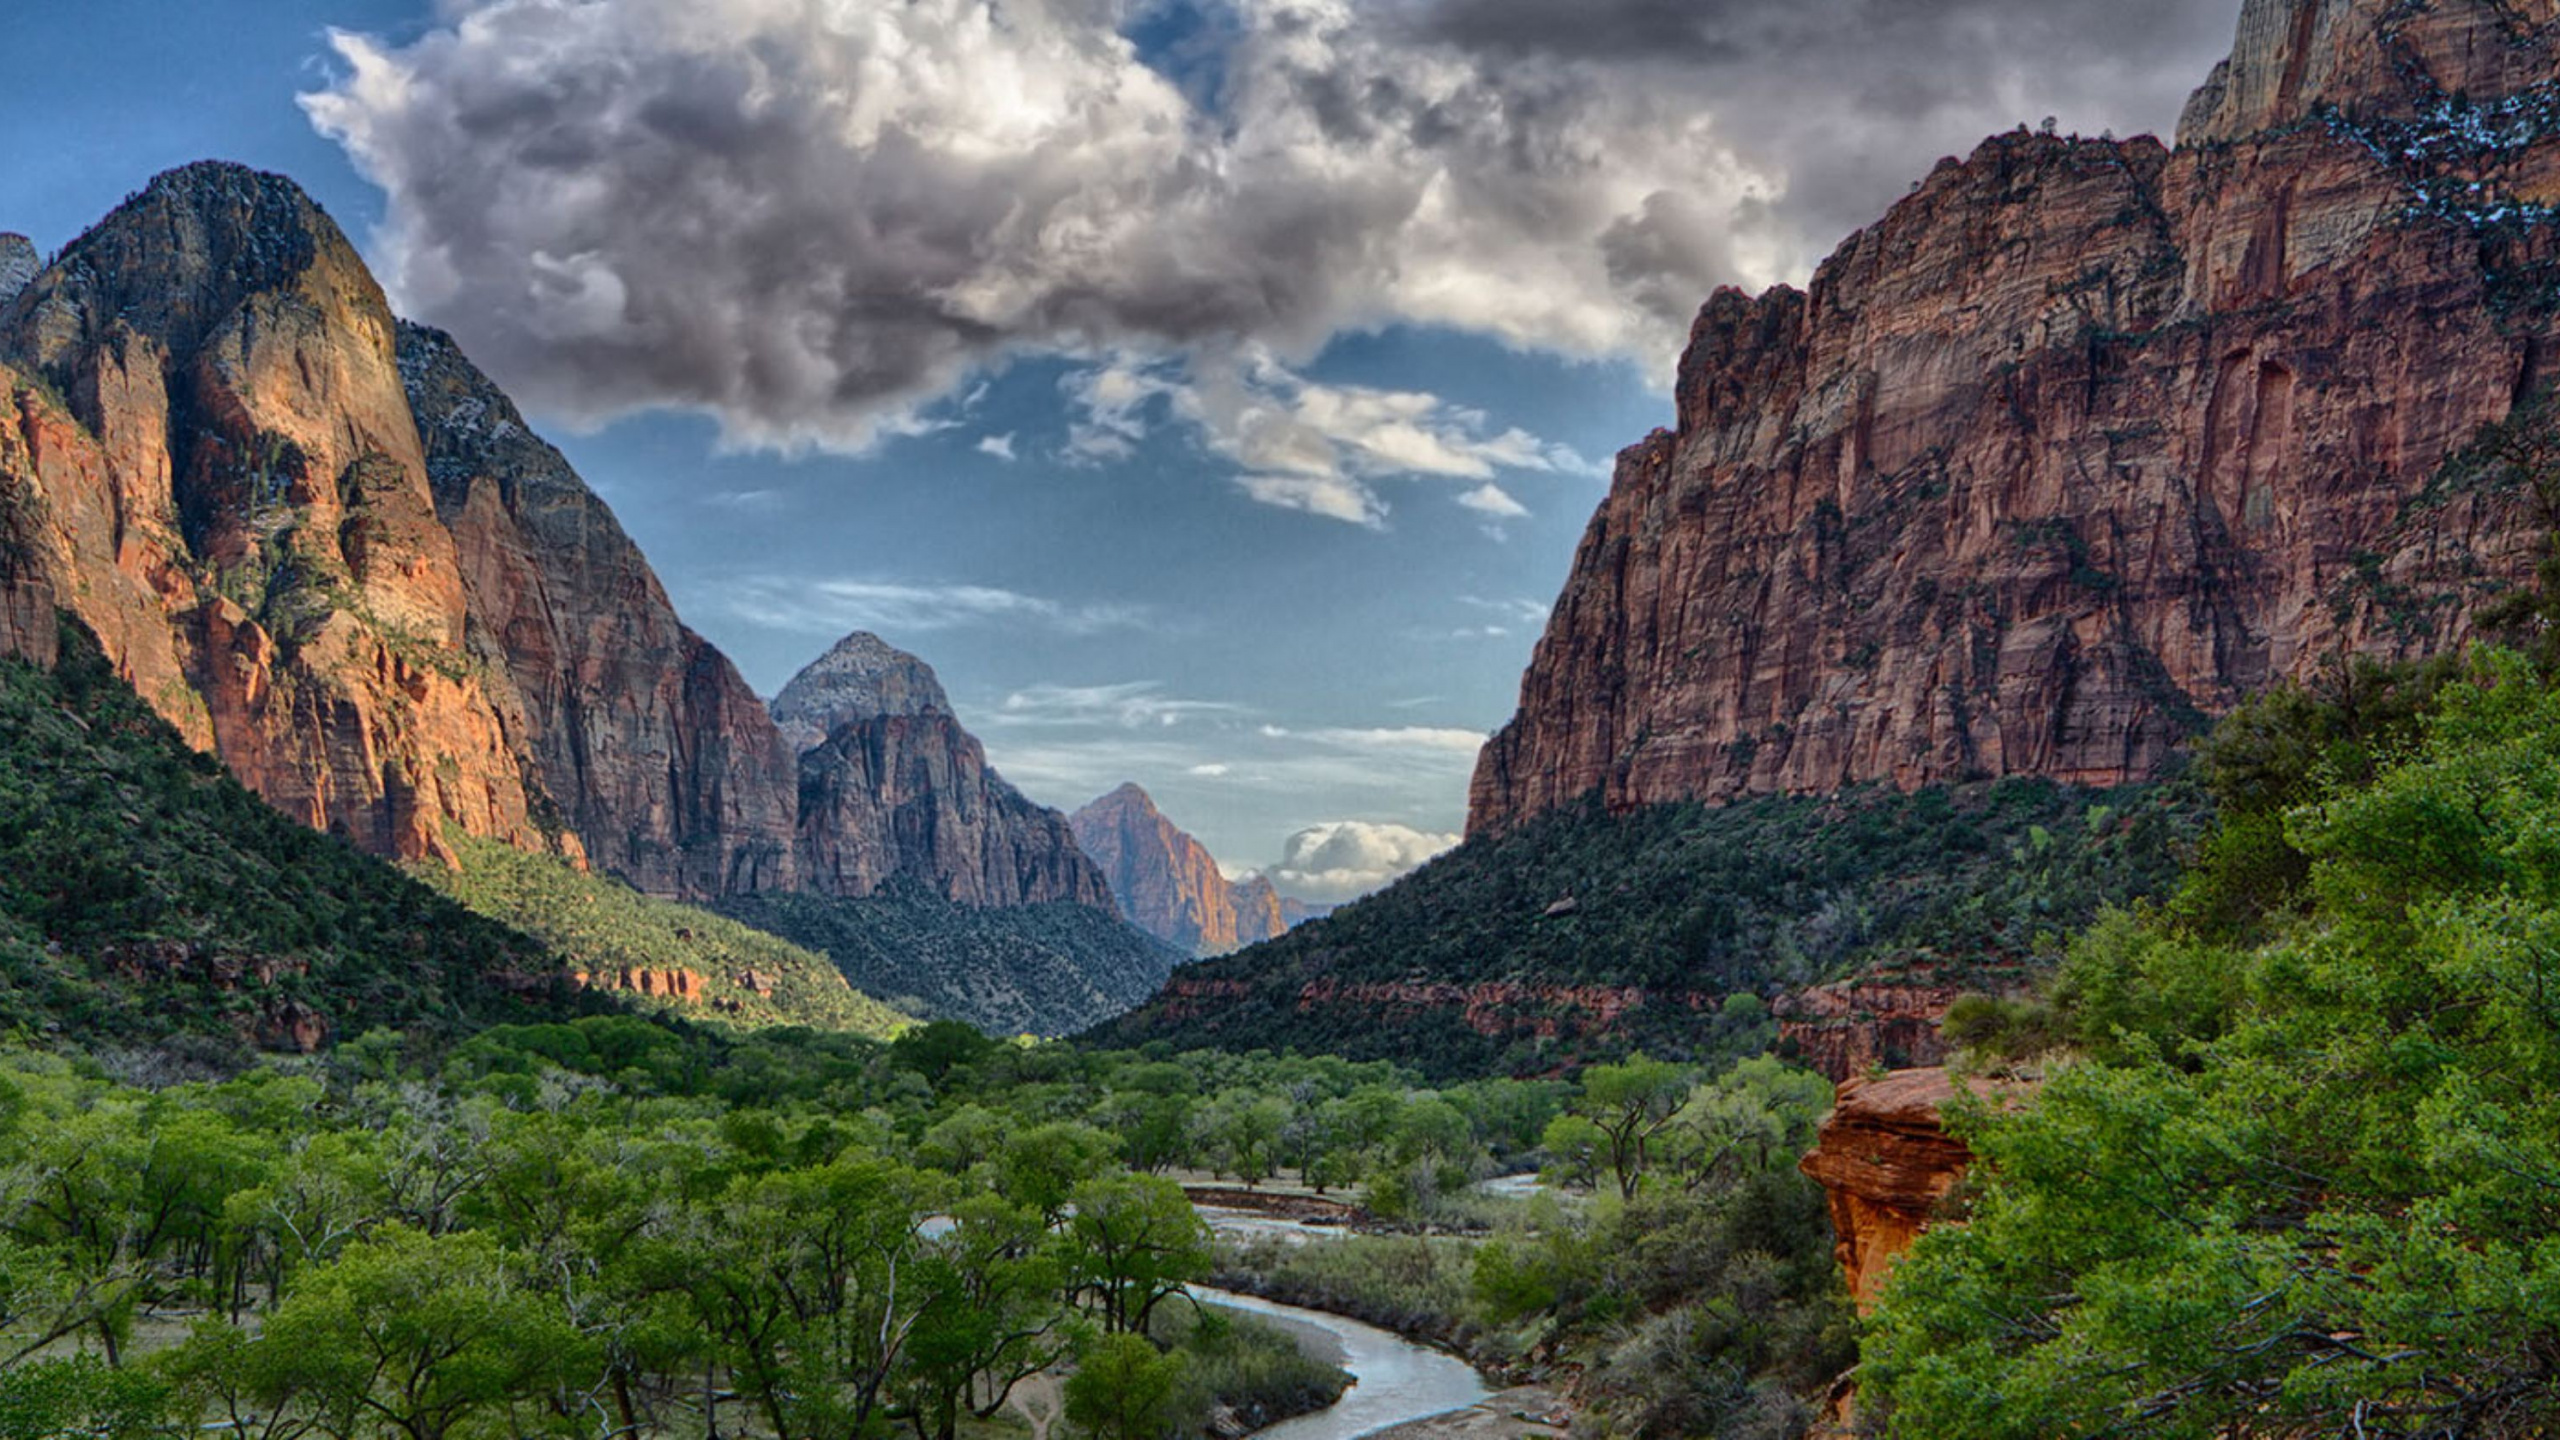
column 327, row 549
column 207, row 456
column 1167, row 883
column 2082, row 442
column 898, row 788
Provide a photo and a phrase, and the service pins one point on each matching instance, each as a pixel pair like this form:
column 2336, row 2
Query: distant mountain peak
column 861, row 677
column 1168, row 883
column 1130, row 795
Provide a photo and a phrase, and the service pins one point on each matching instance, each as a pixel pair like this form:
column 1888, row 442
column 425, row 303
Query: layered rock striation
column 2084, row 441
column 1167, row 883
column 899, row 789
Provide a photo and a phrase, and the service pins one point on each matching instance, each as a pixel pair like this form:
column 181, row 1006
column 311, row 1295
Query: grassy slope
column 1038, row 969
column 598, row 924
column 144, row 893
column 1752, row 897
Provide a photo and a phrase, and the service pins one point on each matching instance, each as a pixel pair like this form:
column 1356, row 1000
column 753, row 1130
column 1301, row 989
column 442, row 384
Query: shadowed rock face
column 899, row 788
column 326, row 548
column 652, row 746
column 2081, row 443
column 18, row 264
column 1167, row 883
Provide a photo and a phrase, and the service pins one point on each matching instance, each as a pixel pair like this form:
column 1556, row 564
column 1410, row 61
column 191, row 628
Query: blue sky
column 1217, row 411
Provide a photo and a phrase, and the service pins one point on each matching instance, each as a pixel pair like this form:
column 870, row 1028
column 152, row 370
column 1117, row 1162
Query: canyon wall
column 2083, row 442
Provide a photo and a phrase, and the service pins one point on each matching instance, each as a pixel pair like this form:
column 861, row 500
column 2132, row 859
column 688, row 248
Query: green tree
column 1134, row 1241
column 79, row 1398
column 1631, row 1104
column 1124, row 1389
column 2330, row 1212
column 423, row 1337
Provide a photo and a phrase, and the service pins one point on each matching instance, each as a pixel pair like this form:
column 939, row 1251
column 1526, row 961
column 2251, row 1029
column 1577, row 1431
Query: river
column 1395, row 1380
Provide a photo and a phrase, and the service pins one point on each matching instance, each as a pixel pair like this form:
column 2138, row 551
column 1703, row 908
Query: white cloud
column 1133, row 705
column 841, row 606
column 807, row 216
column 1212, row 771
column 1491, row 499
column 1331, row 496
column 1345, row 859
column 1000, row 446
column 1522, row 611
column 1421, row 739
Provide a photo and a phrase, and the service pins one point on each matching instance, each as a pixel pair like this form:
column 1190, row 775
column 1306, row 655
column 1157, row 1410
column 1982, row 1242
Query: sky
column 1213, row 391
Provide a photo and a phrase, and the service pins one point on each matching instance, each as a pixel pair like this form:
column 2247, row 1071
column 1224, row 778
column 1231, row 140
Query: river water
column 1395, row 1380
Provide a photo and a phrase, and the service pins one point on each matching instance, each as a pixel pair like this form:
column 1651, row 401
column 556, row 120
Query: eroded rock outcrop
column 1167, row 883
column 1888, row 1164
column 900, row 789
column 2084, row 441
column 1850, row 1027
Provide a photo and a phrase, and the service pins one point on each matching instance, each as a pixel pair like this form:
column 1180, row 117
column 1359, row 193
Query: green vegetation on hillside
column 1028, row 970
column 144, row 894
column 603, row 927
column 1749, row 898
column 2295, row 1168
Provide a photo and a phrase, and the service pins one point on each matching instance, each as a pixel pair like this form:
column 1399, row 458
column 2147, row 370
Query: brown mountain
column 209, row 458
column 2084, row 441
column 1167, row 883
column 897, row 788
column 327, row 549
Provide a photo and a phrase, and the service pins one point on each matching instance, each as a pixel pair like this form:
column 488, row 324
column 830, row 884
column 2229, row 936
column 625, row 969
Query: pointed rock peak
column 2291, row 58
column 862, row 678
column 1129, row 797
column 18, row 264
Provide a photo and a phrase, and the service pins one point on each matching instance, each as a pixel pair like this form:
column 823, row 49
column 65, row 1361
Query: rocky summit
column 2083, row 442
column 327, row 549
column 898, row 789
column 209, row 459
column 1167, row 883
column 861, row 677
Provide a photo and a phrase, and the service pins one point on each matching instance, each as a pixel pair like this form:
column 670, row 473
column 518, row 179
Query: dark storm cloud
column 807, row 216
column 1847, row 94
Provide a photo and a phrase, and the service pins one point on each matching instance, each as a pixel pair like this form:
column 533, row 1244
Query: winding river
column 1395, row 1380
